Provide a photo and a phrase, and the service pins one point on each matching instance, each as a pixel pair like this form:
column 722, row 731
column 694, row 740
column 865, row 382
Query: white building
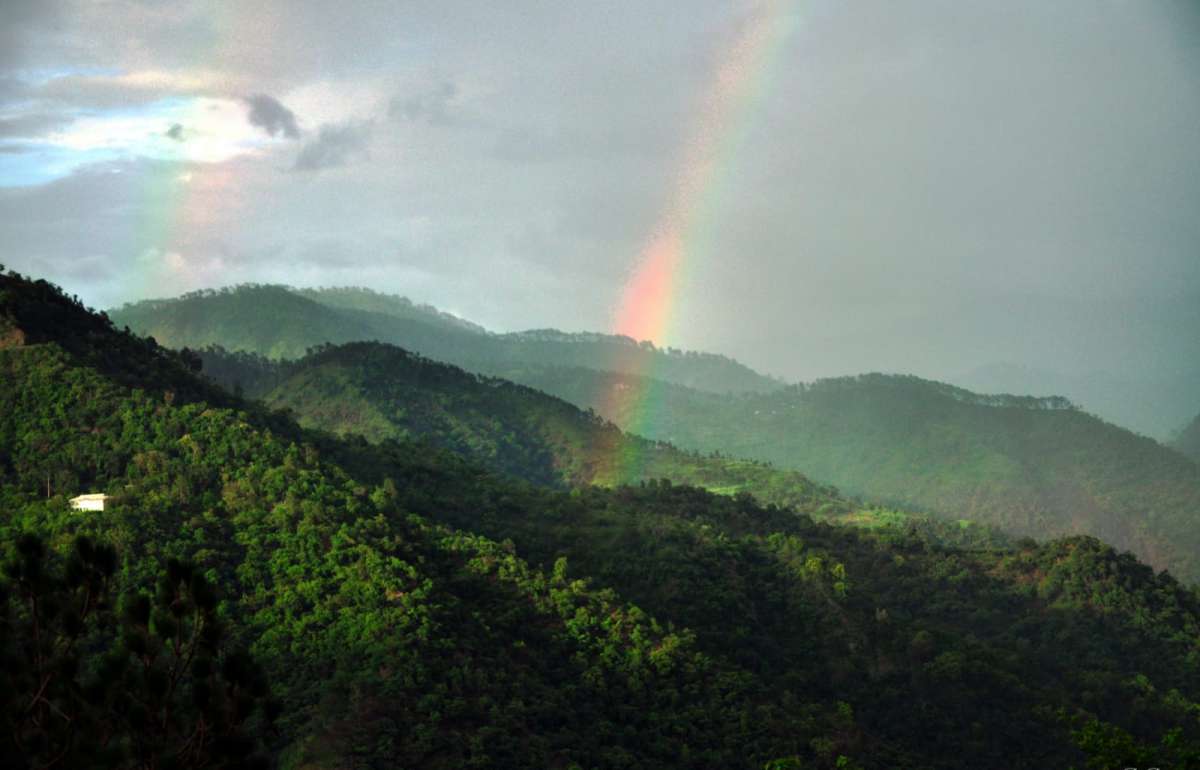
column 92, row 502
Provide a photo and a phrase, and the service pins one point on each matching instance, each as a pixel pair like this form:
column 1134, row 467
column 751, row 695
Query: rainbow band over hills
column 647, row 307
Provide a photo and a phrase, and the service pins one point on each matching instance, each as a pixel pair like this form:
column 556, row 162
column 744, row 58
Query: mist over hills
column 381, row 392
column 1153, row 396
column 280, row 322
column 1188, row 439
column 1030, row 466
column 408, row 607
column 1136, row 399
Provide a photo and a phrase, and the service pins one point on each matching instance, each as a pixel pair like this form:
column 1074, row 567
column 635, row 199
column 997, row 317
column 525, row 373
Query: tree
column 155, row 685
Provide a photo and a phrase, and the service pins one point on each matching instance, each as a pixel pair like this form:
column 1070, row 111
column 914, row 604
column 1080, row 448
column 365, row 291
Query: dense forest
column 321, row 602
column 1030, row 466
column 281, row 322
column 379, row 391
column 1188, row 440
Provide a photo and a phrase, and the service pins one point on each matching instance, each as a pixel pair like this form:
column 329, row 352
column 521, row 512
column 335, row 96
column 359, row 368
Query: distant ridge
column 382, row 392
column 1188, row 440
column 1031, row 466
column 282, row 322
column 371, row 301
column 1153, row 407
column 1027, row 465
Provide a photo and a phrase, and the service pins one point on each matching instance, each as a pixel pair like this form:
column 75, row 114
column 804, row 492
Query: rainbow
column 651, row 295
column 182, row 200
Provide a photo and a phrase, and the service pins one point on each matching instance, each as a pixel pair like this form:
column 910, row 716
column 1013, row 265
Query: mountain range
column 1024, row 465
column 380, row 392
column 281, row 322
column 407, row 605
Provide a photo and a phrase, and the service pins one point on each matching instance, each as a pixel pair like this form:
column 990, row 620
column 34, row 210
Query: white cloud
column 329, row 101
column 213, row 130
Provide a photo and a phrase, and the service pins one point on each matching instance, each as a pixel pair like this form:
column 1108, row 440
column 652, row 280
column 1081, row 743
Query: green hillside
column 355, row 298
column 1188, row 440
column 1030, row 466
column 281, row 322
column 409, row 608
column 248, row 321
column 373, row 626
column 382, row 392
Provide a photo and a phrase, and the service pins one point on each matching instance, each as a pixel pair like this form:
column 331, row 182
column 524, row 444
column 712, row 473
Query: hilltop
column 283, row 323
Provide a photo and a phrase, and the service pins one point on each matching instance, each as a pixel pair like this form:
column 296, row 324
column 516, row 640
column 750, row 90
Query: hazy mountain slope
column 1153, row 407
column 264, row 320
column 1188, row 440
column 255, row 318
column 900, row 440
column 607, row 352
column 1010, row 462
column 381, row 392
column 366, row 300
column 392, row 640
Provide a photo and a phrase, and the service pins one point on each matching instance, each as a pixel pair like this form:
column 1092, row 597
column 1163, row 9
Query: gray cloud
column 100, row 92
column 32, row 124
column 12, row 88
column 431, row 105
column 267, row 113
column 20, row 25
column 334, row 145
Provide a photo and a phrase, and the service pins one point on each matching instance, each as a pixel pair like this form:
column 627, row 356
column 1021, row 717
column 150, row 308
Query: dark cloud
column 267, row 113
column 334, row 145
column 174, row 132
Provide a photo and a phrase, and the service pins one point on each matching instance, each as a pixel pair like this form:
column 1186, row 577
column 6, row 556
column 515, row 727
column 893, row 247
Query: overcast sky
column 917, row 186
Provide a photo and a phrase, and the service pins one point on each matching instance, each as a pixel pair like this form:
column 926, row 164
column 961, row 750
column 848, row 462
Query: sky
column 816, row 187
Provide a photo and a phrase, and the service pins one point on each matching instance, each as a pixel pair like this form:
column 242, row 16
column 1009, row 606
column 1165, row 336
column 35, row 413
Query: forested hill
column 1188, row 440
column 281, row 322
column 408, row 609
column 357, row 298
column 381, row 392
column 1027, row 465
